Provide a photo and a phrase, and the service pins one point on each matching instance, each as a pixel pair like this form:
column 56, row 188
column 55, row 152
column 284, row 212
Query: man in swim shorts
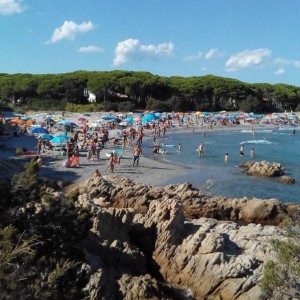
column 137, row 152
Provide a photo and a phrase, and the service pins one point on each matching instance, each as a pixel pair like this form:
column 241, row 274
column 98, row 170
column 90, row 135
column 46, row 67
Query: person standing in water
column 242, row 150
column 179, row 147
column 226, row 157
column 201, row 149
column 252, row 152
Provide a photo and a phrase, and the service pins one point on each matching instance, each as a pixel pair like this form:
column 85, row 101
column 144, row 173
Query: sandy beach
column 150, row 171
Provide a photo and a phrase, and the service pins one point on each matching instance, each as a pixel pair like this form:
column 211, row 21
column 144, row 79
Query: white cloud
column 10, row 7
column 296, row 63
column 197, row 56
column 89, row 49
column 212, row 53
column 248, row 58
column 280, row 71
column 69, row 30
column 132, row 50
column 282, row 62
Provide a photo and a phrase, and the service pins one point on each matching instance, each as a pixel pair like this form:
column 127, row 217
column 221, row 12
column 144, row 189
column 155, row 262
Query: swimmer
column 179, row 147
column 252, row 152
column 164, row 151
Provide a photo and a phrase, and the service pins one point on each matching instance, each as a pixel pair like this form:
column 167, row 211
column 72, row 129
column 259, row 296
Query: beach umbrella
column 25, row 118
column 86, row 115
column 95, row 125
column 47, row 136
column 81, row 119
column 124, row 123
column 59, row 140
column 67, row 123
column 109, row 118
column 205, row 114
column 128, row 120
column 39, row 130
column 16, row 121
column 28, row 123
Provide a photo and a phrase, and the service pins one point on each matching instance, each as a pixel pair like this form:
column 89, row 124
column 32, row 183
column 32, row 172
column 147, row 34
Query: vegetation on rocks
column 282, row 275
column 40, row 241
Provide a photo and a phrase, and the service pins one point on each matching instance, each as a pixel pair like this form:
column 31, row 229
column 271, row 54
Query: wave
column 289, row 128
column 264, row 142
column 209, row 184
column 257, row 131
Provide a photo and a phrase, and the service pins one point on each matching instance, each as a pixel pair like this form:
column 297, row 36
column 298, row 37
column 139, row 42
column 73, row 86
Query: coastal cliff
column 151, row 242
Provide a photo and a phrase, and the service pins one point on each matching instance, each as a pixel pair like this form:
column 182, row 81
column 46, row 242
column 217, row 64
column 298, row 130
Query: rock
column 142, row 287
column 263, row 168
column 287, row 179
column 146, row 237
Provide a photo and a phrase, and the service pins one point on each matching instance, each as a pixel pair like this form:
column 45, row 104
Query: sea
column 214, row 176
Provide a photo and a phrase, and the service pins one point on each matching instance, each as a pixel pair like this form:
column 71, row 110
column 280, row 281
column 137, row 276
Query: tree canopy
column 143, row 89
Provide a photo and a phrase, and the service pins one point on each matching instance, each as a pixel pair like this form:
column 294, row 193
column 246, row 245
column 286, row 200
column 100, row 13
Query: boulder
column 287, row 179
column 263, row 168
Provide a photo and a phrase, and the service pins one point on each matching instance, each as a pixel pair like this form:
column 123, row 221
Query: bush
column 81, row 108
column 157, row 105
column 110, row 106
column 282, row 274
column 126, row 106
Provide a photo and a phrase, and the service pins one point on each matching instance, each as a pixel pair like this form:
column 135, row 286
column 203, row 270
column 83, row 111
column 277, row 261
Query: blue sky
column 250, row 40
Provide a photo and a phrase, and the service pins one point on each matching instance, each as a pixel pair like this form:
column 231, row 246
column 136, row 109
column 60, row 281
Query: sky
column 249, row 40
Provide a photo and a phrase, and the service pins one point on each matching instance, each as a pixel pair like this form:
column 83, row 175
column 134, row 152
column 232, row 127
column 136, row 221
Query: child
column 97, row 173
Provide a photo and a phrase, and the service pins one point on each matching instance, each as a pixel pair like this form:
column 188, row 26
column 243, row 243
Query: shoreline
column 150, row 171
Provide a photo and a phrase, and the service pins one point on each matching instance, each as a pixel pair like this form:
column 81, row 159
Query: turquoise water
column 214, row 176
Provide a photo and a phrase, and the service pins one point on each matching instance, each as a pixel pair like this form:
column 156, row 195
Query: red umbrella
column 81, row 119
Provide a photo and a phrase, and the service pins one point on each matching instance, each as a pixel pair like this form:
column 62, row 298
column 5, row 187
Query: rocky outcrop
column 209, row 257
column 263, row 168
column 287, row 179
column 123, row 193
column 174, row 242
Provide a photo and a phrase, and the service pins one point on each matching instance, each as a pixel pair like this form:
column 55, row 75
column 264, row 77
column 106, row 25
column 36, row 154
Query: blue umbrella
column 39, row 130
column 66, row 123
column 109, row 118
column 47, row 136
column 129, row 120
column 59, row 140
column 149, row 118
column 25, row 118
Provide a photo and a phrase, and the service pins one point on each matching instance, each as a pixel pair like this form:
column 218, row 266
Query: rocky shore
column 152, row 242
